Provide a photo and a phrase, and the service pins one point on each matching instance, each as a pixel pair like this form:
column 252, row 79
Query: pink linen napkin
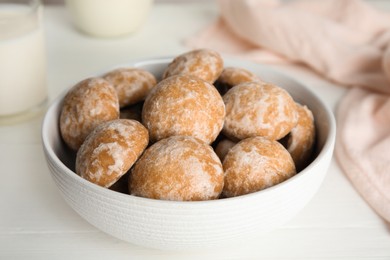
column 346, row 41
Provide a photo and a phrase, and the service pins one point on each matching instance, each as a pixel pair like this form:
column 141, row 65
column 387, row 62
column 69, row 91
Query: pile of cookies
column 202, row 132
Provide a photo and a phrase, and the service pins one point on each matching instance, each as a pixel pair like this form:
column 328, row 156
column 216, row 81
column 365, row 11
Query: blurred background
column 62, row 1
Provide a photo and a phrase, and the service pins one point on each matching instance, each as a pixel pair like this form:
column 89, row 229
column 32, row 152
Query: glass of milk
column 23, row 90
column 108, row 18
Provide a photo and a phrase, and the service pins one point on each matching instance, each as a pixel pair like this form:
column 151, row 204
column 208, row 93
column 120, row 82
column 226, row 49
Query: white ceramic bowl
column 192, row 225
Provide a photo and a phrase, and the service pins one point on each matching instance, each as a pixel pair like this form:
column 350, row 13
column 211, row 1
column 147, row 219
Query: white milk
column 22, row 65
column 105, row 18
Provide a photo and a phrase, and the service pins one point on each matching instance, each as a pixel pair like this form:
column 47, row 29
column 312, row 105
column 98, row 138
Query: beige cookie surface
column 131, row 84
column 255, row 164
column 110, row 150
column 258, row 109
column 202, row 63
column 88, row 104
column 300, row 141
column 179, row 168
column 232, row 76
column 184, row 105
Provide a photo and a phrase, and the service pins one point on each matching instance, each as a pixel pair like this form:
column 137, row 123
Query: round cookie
column 258, row 109
column 131, row 84
column 255, row 164
column 110, row 150
column 232, row 76
column 88, row 104
column 179, row 168
column 202, row 63
column 300, row 141
column 223, row 148
column 184, row 105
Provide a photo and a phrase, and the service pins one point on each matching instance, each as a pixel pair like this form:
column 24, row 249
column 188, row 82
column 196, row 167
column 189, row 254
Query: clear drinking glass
column 23, row 90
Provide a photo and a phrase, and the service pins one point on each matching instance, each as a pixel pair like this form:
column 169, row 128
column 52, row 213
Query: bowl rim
column 53, row 110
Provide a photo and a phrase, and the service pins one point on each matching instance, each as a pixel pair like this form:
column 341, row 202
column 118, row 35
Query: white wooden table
column 36, row 223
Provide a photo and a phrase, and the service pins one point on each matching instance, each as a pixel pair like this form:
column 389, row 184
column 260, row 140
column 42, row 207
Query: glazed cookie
column 184, row 105
column 88, row 104
column 232, row 76
column 131, row 84
column 258, row 109
column 300, row 141
column 180, row 168
column 110, row 150
column 255, row 164
column 202, row 63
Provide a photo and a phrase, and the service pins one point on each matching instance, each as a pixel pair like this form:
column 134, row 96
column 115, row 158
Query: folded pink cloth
column 346, row 41
column 363, row 145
